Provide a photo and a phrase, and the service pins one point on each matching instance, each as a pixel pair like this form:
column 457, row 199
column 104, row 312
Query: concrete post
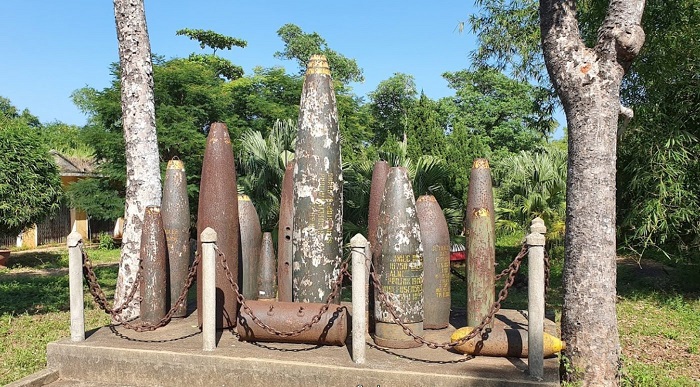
column 208, row 253
column 535, row 298
column 359, row 245
column 75, row 284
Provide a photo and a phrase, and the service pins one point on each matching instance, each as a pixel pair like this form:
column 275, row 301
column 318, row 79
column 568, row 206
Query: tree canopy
column 299, row 46
column 30, row 185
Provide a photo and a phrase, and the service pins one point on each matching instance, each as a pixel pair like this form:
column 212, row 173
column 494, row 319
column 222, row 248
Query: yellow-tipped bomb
column 503, row 342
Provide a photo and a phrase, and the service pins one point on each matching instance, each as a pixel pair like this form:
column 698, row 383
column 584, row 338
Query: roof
column 72, row 165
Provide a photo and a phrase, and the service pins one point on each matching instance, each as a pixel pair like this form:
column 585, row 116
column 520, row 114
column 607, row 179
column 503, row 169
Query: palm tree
column 262, row 163
column 428, row 175
column 530, row 184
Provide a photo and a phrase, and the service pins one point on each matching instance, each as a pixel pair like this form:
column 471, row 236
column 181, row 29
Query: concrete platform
column 172, row 356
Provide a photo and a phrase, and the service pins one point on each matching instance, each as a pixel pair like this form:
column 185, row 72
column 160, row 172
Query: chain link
column 101, row 300
column 337, row 286
column 495, row 307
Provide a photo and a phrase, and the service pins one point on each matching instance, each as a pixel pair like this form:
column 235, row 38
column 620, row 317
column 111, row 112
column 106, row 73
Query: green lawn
column 658, row 311
column 35, row 310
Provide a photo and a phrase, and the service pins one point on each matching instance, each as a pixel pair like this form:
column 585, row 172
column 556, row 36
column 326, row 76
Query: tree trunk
column 143, row 185
column 588, row 83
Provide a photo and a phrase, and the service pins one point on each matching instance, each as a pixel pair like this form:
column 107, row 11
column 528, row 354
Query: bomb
column 435, row 239
column 285, row 253
column 249, row 247
column 175, row 212
column 400, row 265
column 481, row 243
column 331, row 329
column 218, row 209
column 505, row 342
column 318, row 188
column 154, row 276
column 376, row 193
column 267, row 280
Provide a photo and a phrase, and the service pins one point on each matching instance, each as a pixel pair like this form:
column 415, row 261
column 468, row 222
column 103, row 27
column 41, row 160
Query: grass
column 35, row 310
column 658, row 311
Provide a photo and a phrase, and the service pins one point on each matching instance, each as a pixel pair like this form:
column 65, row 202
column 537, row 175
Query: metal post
column 208, row 239
column 75, row 283
column 358, row 244
column 535, row 298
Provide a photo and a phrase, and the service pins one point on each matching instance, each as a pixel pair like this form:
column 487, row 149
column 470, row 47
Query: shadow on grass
column 40, row 294
column 39, row 260
column 652, row 279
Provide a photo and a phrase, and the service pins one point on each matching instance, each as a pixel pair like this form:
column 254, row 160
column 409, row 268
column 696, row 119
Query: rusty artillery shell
column 175, row 212
column 285, row 252
column 318, row 188
column 154, row 274
column 332, row 328
column 249, row 247
column 504, row 342
column 481, row 248
column 267, row 279
column 435, row 239
column 218, row 209
column 400, row 265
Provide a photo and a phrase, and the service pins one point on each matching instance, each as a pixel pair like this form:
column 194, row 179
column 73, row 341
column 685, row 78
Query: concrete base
column 173, row 356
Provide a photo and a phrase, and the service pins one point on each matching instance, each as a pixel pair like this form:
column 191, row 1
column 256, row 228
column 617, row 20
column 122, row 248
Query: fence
column 54, row 229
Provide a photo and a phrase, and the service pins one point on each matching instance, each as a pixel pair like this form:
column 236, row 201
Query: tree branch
column 626, row 114
column 621, row 36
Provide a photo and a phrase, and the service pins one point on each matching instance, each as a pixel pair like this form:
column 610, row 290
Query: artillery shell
column 249, row 247
column 267, row 280
column 332, row 328
column 176, row 223
column 154, row 275
column 435, row 239
column 481, row 243
column 218, row 209
column 284, row 235
column 400, row 266
column 503, row 342
column 376, row 193
column 318, row 188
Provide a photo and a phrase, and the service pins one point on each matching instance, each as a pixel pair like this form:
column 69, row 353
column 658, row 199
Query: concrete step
column 172, row 356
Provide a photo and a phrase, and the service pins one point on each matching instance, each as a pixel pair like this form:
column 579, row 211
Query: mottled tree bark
column 143, row 186
column 588, row 83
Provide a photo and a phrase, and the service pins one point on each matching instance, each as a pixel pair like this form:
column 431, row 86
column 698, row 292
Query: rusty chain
column 337, row 285
column 495, row 307
column 100, row 298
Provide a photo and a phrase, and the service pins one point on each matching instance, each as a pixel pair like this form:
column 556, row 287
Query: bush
column 30, row 184
column 106, row 242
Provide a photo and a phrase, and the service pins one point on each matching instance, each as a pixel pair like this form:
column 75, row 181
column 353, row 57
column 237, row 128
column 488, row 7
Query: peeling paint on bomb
column 317, row 235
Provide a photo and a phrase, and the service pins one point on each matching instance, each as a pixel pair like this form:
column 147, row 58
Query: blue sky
column 51, row 48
